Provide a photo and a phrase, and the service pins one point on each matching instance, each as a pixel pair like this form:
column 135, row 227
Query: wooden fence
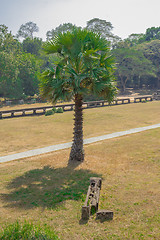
column 66, row 107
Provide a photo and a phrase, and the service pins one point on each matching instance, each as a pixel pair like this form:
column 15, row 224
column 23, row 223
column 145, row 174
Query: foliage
column 132, row 67
column 103, row 28
column 32, row 46
column 28, row 73
column 151, row 51
column 19, row 231
column 152, row 33
column 91, row 97
column 10, row 84
column 26, row 30
column 54, row 109
column 132, row 40
column 100, row 26
column 62, row 28
column 7, row 41
column 59, row 110
column 19, row 71
column 18, row 75
column 49, row 112
column 84, row 66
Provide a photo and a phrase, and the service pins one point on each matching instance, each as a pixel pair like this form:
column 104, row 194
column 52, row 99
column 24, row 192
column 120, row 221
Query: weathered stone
column 95, row 182
column 85, row 212
column 156, row 95
column 92, row 198
column 104, row 215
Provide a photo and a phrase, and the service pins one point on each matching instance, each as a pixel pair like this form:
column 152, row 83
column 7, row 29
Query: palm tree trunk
column 77, row 151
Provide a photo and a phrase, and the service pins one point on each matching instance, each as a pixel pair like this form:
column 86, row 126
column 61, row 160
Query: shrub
column 59, row 110
column 25, row 231
column 49, row 112
column 33, row 100
column 54, row 110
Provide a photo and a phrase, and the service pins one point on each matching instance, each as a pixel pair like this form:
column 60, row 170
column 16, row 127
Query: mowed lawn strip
column 46, row 190
column 22, row 134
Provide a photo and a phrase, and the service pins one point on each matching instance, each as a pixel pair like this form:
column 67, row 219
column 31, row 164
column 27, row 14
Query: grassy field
column 46, row 190
column 22, row 134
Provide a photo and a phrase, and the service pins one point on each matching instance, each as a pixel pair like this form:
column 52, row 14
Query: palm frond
column 85, row 64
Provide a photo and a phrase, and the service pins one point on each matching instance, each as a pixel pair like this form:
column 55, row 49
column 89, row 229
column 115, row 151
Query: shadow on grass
column 48, row 187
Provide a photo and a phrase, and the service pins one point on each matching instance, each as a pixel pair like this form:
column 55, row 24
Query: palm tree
column 84, row 66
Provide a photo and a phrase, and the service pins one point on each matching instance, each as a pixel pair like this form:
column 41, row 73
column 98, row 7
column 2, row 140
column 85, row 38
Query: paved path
column 68, row 145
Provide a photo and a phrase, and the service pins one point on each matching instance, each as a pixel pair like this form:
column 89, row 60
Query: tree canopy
column 137, row 57
column 132, row 67
column 103, row 28
column 19, row 68
column 33, row 46
column 62, row 28
column 151, row 51
column 83, row 59
column 27, row 30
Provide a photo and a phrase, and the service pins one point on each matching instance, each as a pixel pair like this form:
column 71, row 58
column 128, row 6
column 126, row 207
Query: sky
column 126, row 16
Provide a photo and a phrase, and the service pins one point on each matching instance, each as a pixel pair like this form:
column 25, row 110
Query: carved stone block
column 85, row 212
column 104, row 215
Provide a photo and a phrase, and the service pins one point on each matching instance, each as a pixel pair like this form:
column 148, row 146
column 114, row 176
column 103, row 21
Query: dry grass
column 22, row 134
column 45, row 189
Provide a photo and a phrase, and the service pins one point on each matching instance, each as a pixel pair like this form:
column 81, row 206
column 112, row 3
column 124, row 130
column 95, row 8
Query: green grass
column 57, row 184
column 27, row 231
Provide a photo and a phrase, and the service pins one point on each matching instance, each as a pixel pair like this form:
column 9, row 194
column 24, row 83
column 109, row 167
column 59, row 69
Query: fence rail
column 66, row 107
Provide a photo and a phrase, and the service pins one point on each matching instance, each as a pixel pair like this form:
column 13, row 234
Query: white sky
column 126, row 16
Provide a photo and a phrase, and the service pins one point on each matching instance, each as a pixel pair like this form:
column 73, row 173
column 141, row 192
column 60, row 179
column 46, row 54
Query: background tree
column 8, row 43
column 29, row 70
column 10, row 85
column 18, row 70
column 33, row 46
column 134, row 70
column 132, row 66
column 152, row 33
column 100, row 26
column 62, row 28
column 26, row 30
column 103, row 28
column 85, row 65
column 129, row 42
column 151, row 51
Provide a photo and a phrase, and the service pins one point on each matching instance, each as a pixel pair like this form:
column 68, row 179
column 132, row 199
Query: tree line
column 22, row 59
